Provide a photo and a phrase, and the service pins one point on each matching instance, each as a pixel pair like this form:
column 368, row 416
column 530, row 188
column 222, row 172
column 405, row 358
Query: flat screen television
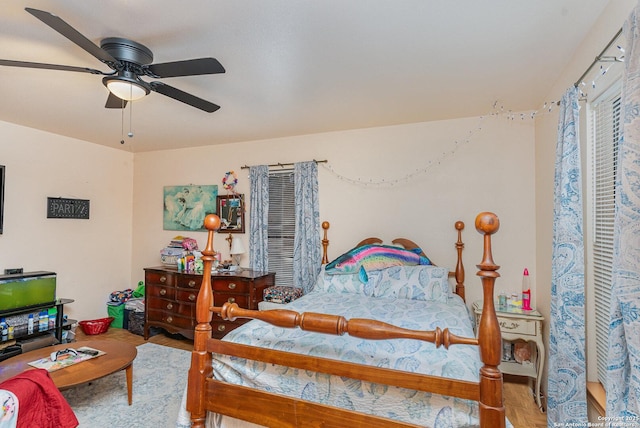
column 1, row 196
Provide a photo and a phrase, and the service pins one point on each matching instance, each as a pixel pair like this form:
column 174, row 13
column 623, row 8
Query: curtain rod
column 282, row 165
column 599, row 58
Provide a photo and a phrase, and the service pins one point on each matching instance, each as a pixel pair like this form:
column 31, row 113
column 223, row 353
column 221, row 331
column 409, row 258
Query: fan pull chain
column 130, row 134
column 122, row 122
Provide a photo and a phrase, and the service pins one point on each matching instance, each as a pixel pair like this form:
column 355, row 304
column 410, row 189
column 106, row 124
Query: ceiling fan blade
column 72, row 34
column 190, row 67
column 26, row 64
column 115, row 102
column 184, row 97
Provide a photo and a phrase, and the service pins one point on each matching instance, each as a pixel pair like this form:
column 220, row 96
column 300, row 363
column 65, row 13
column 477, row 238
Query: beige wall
column 493, row 172
column 609, row 23
column 91, row 257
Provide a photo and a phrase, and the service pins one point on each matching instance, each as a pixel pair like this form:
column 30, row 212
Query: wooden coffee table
column 119, row 356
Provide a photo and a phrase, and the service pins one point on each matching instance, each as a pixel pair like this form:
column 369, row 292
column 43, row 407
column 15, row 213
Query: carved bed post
column 325, row 243
column 201, row 365
column 459, row 275
column 492, row 413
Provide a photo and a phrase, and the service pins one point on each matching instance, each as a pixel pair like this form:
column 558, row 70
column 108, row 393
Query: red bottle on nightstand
column 526, row 291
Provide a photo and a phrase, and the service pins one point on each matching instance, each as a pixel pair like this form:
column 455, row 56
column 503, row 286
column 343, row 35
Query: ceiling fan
column 129, row 61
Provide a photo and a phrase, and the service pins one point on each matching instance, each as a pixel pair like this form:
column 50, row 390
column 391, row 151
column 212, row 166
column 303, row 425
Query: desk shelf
column 24, row 335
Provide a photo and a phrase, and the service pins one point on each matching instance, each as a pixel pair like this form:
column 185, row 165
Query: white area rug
column 159, row 380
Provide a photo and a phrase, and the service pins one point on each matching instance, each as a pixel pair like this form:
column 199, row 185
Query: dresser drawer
column 188, row 296
column 165, row 292
column 220, row 299
column 184, row 309
column 160, row 278
column 518, row 326
column 190, row 282
column 233, row 285
column 171, row 318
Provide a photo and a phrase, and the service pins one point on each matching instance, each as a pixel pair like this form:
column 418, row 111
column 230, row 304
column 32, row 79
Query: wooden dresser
column 170, row 298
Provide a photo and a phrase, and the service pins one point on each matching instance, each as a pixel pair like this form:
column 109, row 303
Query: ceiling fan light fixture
column 125, row 87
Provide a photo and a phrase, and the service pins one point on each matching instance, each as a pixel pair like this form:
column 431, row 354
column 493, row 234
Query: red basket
column 98, row 326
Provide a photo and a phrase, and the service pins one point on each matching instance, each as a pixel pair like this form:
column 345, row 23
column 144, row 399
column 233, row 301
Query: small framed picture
column 231, row 213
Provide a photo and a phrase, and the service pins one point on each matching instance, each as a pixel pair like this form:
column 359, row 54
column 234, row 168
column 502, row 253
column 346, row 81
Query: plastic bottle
column 51, row 315
column 43, row 321
column 502, row 300
column 30, row 325
column 4, row 328
column 526, row 290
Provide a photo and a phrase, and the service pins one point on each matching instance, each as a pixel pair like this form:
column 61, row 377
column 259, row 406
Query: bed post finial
column 325, row 243
column 487, row 224
column 492, row 412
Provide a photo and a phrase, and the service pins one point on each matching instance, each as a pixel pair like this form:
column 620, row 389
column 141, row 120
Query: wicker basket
column 98, row 326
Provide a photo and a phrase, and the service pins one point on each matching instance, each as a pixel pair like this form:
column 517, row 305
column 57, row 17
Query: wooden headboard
column 457, row 274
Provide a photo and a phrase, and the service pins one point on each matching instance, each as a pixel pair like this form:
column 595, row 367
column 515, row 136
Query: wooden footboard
column 281, row 411
column 207, row 394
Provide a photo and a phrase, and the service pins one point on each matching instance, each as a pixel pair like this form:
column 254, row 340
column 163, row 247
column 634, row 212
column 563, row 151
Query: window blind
column 282, row 226
column 606, row 133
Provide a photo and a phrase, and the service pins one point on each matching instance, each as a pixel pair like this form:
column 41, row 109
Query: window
column 282, row 226
column 606, row 127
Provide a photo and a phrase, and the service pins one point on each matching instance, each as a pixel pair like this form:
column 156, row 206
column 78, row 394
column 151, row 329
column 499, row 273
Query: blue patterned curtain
column 623, row 366
column 307, row 257
column 567, row 402
column 259, row 217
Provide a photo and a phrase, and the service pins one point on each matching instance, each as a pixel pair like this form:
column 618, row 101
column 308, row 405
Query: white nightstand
column 516, row 324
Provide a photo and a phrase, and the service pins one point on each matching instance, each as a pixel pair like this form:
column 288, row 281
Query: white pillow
column 414, row 283
column 349, row 283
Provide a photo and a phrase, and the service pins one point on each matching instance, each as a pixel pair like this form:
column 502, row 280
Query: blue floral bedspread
column 459, row 362
column 416, row 298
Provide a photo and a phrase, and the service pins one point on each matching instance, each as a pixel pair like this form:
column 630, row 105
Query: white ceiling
column 294, row 67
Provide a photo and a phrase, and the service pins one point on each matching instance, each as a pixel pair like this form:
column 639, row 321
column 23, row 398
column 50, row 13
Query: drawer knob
column 170, row 306
column 163, row 279
column 192, row 297
column 192, row 283
column 222, row 327
column 169, row 320
column 232, row 286
column 231, row 300
column 163, row 291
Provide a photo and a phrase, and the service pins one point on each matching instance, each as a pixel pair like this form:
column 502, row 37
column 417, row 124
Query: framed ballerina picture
column 185, row 207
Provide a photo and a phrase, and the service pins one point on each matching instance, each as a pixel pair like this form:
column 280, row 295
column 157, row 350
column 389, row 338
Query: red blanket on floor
column 40, row 403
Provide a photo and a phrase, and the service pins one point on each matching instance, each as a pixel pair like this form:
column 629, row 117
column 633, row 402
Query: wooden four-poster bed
column 385, row 367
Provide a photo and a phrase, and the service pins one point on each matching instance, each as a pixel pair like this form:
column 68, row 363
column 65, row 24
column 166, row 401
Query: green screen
column 21, row 292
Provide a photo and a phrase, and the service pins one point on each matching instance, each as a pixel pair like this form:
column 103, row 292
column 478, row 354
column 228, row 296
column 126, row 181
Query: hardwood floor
column 521, row 407
column 519, row 402
column 127, row 336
